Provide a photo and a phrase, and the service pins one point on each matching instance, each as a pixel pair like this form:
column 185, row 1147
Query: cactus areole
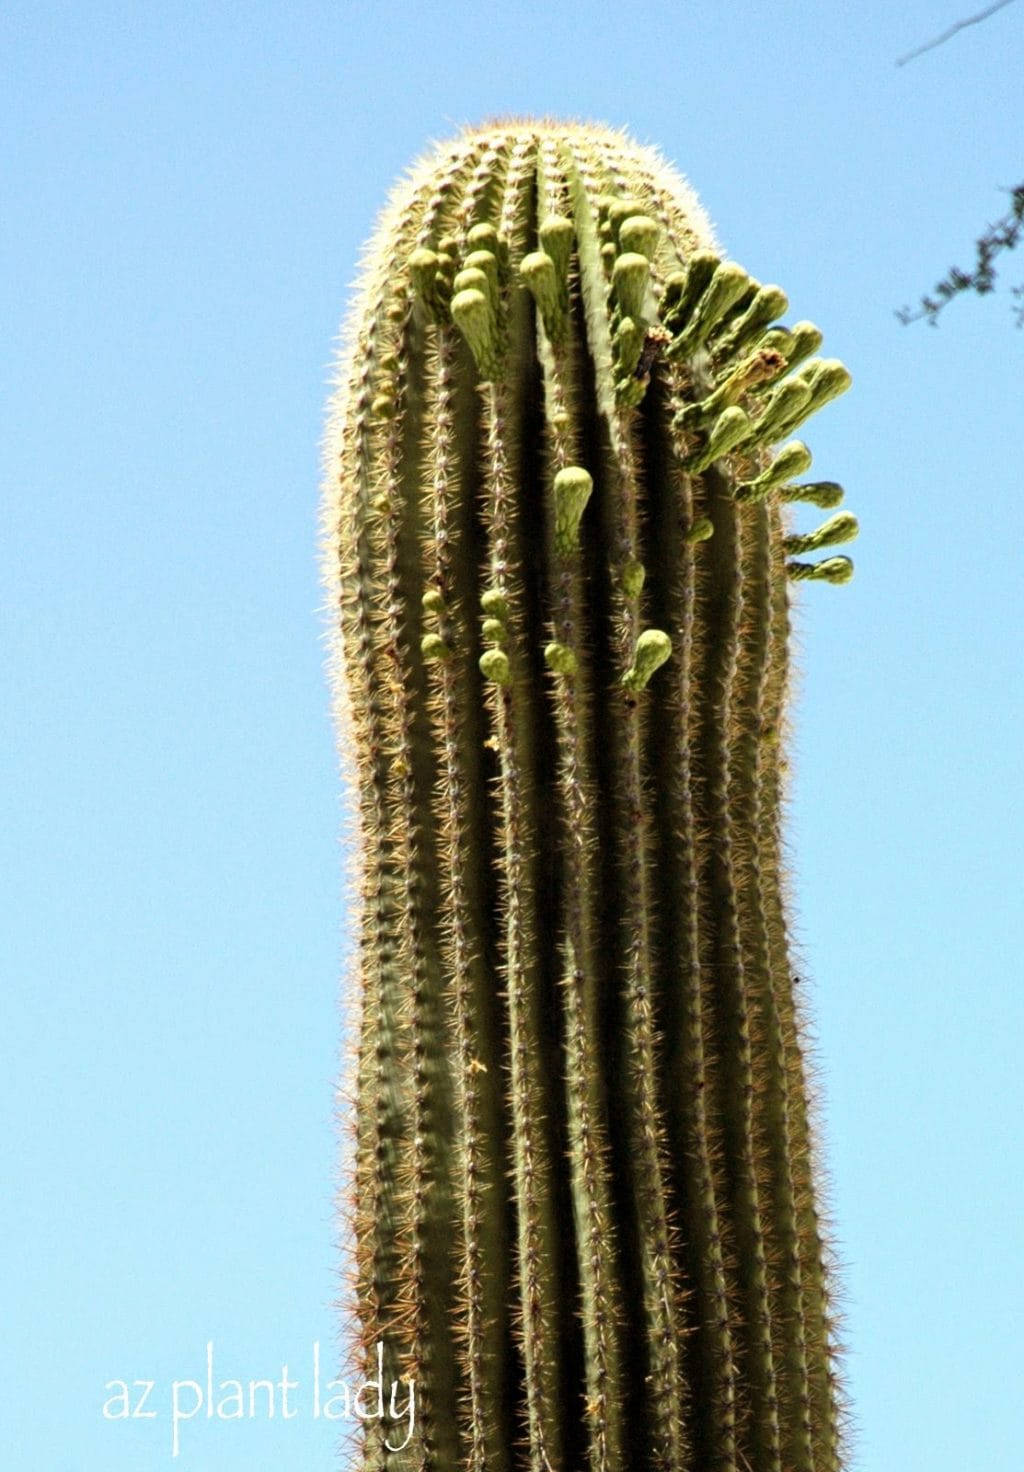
column 582, row 1209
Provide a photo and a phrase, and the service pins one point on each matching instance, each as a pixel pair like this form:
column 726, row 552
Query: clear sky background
column 186, row 188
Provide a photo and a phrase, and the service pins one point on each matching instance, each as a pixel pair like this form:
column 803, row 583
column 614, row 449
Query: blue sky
column 187, row 189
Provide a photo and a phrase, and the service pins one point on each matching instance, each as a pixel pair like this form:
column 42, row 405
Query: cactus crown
column 583, row 1208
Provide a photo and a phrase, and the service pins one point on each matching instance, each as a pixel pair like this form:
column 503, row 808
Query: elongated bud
column 484, row 236
column 540, row 276
column 487, row 262
column 824, row 379
column 827, row 379
column 641, row 234
column 630, row 276
column 423, row 264
column 768, row 303
column 619, row 211
column 805, row 339
column 731, row 426
column 842, row 527
column 684, row 290
column 778, row 340
column 724, row 290
column 653, row 648
column 832, row 570
column 473, row 316
column 700, row 531
column 633, row 579
column 572, row 490
column 472, row 279
column 826, row 494
column 784, row 408
column 628, row 345
column 556, row 240
column 792, row 459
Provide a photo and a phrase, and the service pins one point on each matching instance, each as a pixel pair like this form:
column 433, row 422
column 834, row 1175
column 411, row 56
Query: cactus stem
column 584, row 1218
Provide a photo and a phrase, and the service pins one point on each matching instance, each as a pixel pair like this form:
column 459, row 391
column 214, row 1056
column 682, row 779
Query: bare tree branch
column 1004, row 235
column 971, row 20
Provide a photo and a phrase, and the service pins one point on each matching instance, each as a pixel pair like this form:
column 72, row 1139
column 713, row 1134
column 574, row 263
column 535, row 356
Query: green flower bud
column 630, row 276
column 422, row 270
column 572, row 490
column 560, row 658
column 769, row 302
column 805, row 340
column 540, row 275
column 556, row 238
column 826, row 494
column 827, row 379
column 824, row 379
column 723, row 291
column 792, row 459
column 472, row 314
column 494, row 604
column 652, row 649
column 485, row 261
column 493, row 630
column 683, row 291
column 470, row 279
column 641, row 234
column 842, row 527
column 784, row 408
column 484, row 237
column 832, row 570
column 779, row 340
column 633, row 575
column 731, row 426
column 494, row 666
column 700, row 531
column 433, row 647
column 619, row 211
column 628, row 344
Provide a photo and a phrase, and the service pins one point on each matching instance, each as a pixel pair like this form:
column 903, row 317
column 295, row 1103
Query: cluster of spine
column 583, row 1208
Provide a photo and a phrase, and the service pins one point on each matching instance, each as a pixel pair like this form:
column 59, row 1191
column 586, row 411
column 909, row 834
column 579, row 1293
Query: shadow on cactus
column 560, row 470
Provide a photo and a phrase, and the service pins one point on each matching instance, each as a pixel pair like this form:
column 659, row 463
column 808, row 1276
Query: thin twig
column 971, row 20
column 1004, row 235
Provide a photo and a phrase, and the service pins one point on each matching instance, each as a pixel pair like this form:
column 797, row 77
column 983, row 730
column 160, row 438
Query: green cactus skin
column 584, row 1213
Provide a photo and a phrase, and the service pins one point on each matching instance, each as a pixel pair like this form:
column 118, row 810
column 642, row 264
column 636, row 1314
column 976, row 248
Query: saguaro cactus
column 583, row 1200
